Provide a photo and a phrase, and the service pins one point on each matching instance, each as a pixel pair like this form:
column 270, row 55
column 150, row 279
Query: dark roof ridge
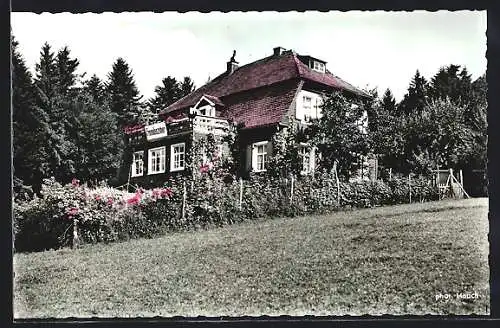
column 296, row 62
column 264, row 72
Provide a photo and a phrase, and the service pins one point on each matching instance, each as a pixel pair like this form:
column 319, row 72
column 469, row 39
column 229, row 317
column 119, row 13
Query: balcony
column 199, row 124
column 206, row 124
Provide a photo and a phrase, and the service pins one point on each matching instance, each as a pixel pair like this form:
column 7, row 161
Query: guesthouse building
column 257, row 99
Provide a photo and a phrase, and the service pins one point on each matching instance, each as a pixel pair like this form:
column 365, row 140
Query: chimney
column 232, row 64
column 278, row 51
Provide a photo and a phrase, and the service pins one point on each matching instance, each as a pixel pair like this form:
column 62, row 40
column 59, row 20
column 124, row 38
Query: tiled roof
column 262, row 73
column 261, row 106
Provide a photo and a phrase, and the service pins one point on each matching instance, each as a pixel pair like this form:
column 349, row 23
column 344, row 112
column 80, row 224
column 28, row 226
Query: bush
column 100, row 214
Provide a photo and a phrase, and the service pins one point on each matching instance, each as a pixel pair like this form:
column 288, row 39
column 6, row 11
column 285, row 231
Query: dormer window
column 318, row 66
column 206, row 106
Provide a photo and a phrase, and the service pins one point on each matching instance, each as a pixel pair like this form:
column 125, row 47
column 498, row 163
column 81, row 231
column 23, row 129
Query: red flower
column 75, row 182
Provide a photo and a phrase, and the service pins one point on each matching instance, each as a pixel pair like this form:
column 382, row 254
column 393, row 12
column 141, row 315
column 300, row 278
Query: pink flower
column 156, row 193
column 135, row 199
column 72, row 212
column 110, row 201
column 166, row 192
column 97, row 197
column 75, row 182
column 204, row 168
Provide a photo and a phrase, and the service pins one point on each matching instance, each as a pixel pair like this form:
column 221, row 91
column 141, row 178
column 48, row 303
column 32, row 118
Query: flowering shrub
column 100, row 214
column 105, row 214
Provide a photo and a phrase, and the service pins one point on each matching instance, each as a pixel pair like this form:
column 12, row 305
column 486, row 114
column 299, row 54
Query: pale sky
column 367, row 49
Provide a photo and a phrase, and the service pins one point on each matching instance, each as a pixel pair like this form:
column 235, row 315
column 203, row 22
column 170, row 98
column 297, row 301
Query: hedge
column 107, row 215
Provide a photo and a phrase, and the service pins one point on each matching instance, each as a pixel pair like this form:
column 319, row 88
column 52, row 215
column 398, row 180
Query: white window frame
column 307, row 107
column 317, row 107
column 174, row 161
column 256, row 155
column 161, row 158
column 137, row 164
column 307, row 150
column 318, row 66
column 305, row 157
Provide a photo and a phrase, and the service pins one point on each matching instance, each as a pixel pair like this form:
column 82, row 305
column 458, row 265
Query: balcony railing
column 207, row 124
column 199, row 124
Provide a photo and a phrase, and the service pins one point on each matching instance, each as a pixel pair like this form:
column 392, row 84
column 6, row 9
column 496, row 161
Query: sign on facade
column 156, row 131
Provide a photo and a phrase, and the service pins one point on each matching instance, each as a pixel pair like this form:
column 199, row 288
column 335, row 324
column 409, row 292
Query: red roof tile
column 261, row 106
column 261, row 73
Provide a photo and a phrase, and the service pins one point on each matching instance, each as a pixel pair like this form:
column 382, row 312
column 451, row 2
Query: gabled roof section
column 262, row 73
column 208, row 99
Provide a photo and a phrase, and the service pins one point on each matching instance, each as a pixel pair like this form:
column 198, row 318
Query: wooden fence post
column 241, row 194
column 292, row 180
column 184, row 198
column 409, row 184
column 390, row 174
column 461, row 186
column 76, row 239
column 461, row 175
column 437, row 181
column 451, row 183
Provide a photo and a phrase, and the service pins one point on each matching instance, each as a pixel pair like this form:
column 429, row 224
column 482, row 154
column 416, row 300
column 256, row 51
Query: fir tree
column 30, row 126
column 388, row 102
column 186, row 87
column 165, row 94
column 452, row 82
column 55, row 81
column 416, row 98
column 95, row 89
column 46, row 72
column 65, row 71
column 123, row 94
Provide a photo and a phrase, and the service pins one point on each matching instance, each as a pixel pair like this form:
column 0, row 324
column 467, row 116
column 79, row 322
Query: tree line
column 438, row 123
column 66, row 125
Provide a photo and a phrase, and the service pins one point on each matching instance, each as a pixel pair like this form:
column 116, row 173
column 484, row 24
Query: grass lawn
column 394, row 260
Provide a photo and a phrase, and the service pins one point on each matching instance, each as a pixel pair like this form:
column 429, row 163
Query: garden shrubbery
column 106, row 214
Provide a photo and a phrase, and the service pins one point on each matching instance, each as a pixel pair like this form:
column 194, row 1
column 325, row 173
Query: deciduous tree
column 340, row 134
